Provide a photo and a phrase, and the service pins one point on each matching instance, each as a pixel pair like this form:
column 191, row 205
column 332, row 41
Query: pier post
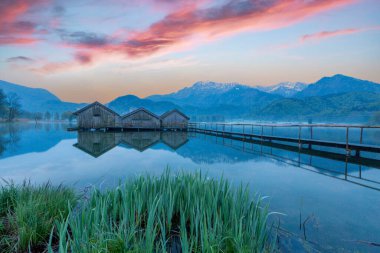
column 361, row 142
column 311, row 135
column 348, row 151
column 361, row 135
column 299, row 137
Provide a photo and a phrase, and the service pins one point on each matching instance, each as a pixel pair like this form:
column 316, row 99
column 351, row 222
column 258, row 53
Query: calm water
column 338, row 201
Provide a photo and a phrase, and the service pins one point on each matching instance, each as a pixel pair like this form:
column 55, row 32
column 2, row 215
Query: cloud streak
column 20, row 59
column 328, row 34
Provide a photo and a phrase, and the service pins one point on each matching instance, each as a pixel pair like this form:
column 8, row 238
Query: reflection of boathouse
column 98, row 116
column 98, row 143
column 174, row 139
column 140, row 140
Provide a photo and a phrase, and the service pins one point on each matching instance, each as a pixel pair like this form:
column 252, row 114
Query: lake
column 328, row 203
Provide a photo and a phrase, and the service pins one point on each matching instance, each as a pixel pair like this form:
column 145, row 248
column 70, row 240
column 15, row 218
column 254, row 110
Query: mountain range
column 335, row 98
column 37, row 99
column 285, row 89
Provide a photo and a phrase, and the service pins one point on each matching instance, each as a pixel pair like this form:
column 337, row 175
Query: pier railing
column 348, row 137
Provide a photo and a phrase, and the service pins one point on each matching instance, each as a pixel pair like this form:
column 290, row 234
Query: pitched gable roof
column 95, row 103
column 172, row 111
column 139, row 110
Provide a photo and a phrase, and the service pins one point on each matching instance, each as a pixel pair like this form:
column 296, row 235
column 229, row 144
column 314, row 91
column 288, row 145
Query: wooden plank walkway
column 358, row 147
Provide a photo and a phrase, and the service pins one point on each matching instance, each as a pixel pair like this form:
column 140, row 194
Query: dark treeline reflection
column 20, row 138
column 9, row 136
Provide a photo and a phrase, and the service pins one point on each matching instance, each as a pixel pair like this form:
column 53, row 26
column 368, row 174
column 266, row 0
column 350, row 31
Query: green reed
column 175, row 212
column 28, row 212
column 158, row 214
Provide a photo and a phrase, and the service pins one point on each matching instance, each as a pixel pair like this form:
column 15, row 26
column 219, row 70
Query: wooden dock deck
column 245, row 132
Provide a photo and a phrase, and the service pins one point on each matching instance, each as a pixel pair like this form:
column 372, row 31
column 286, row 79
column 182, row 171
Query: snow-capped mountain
column 285, row 89
column 208, row 94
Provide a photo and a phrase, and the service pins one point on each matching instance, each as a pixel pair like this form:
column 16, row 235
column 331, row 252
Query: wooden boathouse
column 140, row 119
column 174, row 119
column 97, row 116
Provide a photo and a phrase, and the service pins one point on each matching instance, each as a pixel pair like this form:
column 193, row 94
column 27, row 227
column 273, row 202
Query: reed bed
column 28, row 212
column 175, row 212
column 170, row 213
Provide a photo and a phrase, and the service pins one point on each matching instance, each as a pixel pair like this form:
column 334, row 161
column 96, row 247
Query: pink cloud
column 225, row 20
column 328, row 34
column 13, row 29
column 193, row 24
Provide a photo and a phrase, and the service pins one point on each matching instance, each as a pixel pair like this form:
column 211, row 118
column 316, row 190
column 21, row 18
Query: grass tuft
column 28, row 213
column 182, row 211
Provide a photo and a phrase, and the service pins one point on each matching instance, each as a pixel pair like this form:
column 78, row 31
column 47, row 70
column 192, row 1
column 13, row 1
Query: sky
column 87, row 50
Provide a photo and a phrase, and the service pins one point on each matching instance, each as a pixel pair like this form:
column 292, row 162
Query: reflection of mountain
column 204, row 149
column 18, row 139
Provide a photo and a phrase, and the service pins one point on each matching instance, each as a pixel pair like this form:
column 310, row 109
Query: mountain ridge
column 233, row 100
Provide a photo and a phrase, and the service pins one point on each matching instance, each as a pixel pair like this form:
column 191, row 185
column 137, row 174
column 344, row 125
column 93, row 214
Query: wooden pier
column 246, row 132
column 304, row 159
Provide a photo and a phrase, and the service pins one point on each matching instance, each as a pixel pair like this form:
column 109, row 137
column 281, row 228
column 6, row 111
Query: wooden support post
column 361, row 135
column 346, row 168
column 361, row 142
column 224, row 126
column 299, row 137
column 347, row 147
column 311, row 136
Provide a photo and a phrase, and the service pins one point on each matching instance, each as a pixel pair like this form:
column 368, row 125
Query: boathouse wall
column 140, row 119
column 96, row 116
column 174, row 119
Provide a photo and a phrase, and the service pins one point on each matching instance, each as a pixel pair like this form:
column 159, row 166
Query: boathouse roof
column 95, row 103
column 172, row 111
column 139, row 110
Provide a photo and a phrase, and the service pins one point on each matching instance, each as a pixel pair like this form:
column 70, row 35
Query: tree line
column 11, row 109
column 10, row 106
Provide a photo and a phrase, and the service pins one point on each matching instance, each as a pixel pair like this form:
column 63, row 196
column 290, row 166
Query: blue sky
column 97, row 50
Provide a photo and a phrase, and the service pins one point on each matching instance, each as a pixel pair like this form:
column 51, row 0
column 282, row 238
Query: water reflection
column 338, row 192
column 23, row 138
column 98, row 143
column 9, row 137
column 348, row 168
column 339, row 166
